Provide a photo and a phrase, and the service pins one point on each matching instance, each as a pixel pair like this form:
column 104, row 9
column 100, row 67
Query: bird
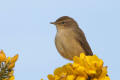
column 70, row 40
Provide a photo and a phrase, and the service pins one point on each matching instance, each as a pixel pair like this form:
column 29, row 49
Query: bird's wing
column 80, row 37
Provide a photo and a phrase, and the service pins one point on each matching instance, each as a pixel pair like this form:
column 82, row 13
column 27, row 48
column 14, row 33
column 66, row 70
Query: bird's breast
column 67, row 45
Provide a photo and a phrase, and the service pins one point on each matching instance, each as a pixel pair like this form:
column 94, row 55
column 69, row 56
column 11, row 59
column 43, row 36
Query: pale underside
column 67, row 45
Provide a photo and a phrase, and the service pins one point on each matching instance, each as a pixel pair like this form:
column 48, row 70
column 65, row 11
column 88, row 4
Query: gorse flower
column 83, row 68
column 6, row 66
column 2, row 56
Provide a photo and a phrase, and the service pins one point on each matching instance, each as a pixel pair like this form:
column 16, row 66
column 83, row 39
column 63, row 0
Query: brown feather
column 80, row 37
column 70, row 40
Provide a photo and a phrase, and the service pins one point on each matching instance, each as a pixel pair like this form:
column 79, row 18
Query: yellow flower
column 14, row 59
column 68, row 68
column 11, row 65
column 83, row 68
column 2, row 56
column 7, row 64
column 81, row 78
column 107, row 78
column 11, row 73
column 70, row 77
column 12, row 78
column 103, row 73
column 94, row 79
column 51, row 77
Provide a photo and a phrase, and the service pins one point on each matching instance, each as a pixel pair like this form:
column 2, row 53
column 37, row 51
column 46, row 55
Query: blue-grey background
column 25, row 29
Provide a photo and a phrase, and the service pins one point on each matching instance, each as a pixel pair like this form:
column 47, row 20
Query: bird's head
column 65, row 22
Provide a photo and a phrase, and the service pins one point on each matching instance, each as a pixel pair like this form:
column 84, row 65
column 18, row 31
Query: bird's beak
column 52, row 23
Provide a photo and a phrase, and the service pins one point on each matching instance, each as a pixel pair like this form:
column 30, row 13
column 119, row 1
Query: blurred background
column 25, row 29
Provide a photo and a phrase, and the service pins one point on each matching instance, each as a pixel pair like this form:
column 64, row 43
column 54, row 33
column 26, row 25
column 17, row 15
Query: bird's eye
column 63, row 22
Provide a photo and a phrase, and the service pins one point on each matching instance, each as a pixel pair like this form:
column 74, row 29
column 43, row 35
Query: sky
column 25, row 29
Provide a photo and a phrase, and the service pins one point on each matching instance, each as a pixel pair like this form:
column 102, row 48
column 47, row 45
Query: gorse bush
column 6, row 66
column 82, row 68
